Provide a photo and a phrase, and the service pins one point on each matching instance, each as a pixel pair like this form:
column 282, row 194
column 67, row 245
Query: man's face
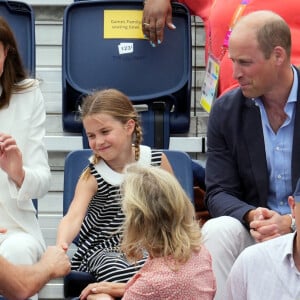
column 254, row 73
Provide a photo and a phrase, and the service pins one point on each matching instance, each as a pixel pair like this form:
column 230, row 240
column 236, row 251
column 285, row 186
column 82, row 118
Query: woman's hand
column 268, row 224
column 11, row 160
column 3, row 230
column 157, row 14
column 113, row 289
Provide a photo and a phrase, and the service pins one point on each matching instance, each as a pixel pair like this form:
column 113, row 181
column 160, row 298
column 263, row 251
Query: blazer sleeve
column 224, row 186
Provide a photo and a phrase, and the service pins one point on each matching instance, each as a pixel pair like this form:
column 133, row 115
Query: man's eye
column 245, row 63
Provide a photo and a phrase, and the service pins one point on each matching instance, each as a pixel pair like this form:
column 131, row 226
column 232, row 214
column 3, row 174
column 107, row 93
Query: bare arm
column 21, row 282
column 165, row 164
column 70, row 224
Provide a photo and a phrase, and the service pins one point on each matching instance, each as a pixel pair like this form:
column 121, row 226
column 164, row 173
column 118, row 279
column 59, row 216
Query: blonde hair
column 159, row 215
column 117, row 105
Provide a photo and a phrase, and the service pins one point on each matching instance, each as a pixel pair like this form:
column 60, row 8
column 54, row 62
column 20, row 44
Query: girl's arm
column 70, row 224
column 165, row 164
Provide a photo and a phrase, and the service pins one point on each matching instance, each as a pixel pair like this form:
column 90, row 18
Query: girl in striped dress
column 114, row 134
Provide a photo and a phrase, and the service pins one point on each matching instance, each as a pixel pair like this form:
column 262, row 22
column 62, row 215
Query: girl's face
column 108, row 137
column 3, row 54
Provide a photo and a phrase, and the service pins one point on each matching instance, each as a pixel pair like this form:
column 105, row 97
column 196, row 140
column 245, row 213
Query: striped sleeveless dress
column 100, row 235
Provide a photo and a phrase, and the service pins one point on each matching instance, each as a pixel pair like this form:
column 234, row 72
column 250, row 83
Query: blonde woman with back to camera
column 160, row 219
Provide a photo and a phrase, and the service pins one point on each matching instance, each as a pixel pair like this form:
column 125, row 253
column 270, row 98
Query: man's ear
column 291, row 201
column 279, row 54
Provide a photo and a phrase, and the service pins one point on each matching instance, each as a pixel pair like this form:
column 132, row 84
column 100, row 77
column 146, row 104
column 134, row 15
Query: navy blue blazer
column 237, row 178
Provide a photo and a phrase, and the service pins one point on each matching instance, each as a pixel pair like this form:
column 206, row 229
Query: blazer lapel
column 296, row 143
column 253, row 134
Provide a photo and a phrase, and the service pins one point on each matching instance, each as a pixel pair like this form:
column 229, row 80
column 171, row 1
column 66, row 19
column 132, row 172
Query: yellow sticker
column 123, row 24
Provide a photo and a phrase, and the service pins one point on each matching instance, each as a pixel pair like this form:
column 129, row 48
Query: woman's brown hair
column 13, row 70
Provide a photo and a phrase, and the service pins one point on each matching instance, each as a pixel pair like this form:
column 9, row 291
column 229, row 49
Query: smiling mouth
column 103, row 149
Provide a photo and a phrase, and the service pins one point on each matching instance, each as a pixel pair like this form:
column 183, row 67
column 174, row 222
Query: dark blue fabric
column 198, row 174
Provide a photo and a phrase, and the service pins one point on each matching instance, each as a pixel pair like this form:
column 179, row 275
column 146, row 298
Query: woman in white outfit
column 24, row 169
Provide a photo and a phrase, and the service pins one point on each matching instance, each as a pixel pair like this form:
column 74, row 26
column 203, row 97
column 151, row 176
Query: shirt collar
column 293, row 93
column 288, row 251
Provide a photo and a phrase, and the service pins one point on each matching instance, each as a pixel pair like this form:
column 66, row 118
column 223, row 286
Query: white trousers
column 21, row 248
column 225, row 238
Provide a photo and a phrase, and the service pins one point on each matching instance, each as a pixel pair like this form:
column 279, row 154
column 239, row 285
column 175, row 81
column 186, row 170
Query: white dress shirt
column 265, row 271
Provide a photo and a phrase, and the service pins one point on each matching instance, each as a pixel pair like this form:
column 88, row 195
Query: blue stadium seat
column 75, row 162
column 20, row 17
column 157, row 78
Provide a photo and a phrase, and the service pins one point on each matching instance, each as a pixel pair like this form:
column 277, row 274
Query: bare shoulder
column 165, row 164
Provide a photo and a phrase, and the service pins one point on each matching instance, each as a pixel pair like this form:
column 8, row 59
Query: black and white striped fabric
column 98, row 251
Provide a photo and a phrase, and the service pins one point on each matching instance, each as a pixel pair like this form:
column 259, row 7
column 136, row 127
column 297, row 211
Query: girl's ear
column 291, row 201
column 130, row 126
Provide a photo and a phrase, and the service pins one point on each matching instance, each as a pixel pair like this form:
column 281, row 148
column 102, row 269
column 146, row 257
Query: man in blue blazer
column 253, row 160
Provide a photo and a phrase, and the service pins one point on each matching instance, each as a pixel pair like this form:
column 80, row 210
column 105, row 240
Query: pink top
column 193, row 281
column 217, row 14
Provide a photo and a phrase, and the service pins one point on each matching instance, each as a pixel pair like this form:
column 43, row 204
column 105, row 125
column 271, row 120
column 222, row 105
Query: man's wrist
column 293, row 223
column 249, row 216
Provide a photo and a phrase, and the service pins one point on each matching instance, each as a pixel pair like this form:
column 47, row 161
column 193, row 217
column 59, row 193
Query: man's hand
column 56, row 261
column 157, row 14
column 268, row 224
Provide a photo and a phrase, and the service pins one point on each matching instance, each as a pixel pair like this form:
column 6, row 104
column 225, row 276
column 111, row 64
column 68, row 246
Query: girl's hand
column 65, row 246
